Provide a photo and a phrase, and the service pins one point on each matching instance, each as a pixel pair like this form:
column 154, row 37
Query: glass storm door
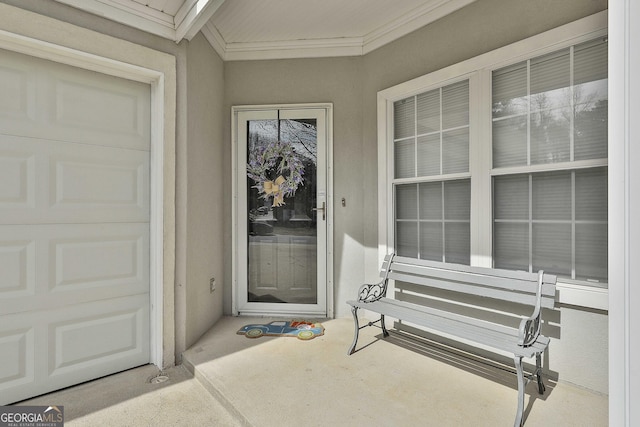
column 281, row 212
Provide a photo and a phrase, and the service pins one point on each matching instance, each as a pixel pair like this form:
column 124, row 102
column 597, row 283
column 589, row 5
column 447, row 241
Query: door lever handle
column 324, row 216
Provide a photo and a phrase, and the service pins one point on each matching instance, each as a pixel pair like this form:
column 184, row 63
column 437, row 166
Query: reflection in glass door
column 282, row 211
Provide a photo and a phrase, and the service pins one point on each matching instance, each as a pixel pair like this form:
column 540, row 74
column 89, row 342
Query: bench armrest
column 529, row 329
column 371, row 293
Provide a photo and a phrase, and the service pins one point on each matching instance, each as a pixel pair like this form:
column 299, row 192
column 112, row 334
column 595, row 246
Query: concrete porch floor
column 269, row 381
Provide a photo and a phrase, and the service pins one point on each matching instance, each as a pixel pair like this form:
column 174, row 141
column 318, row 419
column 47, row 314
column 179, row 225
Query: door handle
column 324, row 216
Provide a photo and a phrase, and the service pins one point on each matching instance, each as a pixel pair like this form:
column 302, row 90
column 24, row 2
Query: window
column 431, row 171
column 502, row 161
column 551, row 111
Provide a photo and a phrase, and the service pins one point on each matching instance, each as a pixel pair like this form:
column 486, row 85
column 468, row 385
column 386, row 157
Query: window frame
column 479, row 71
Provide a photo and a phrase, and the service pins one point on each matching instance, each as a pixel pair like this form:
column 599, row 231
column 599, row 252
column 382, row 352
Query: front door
column 282, row 210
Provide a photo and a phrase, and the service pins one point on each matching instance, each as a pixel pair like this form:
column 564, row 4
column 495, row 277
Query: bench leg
column 354, row 311
column 385, row 333
column 518, row 362
column 541, row 387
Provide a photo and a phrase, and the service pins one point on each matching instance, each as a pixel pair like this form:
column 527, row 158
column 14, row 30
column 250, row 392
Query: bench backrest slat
column 527, row 299
column 515, row 286
column 489, row 277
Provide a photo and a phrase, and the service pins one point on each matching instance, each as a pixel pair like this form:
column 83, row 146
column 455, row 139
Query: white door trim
column 159, row 145
column 329, row 194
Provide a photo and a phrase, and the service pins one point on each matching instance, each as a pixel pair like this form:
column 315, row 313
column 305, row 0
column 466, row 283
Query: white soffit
column 171, row 19
column 276, row 29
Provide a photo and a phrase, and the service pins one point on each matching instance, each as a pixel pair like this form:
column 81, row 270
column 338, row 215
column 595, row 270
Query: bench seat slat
column 444, row 323
column 486, row 325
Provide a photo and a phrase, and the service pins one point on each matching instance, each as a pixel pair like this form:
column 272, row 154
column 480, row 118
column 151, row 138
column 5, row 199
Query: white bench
column 459, row 302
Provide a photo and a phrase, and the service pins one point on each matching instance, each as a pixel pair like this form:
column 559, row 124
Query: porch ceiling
column 272, row 29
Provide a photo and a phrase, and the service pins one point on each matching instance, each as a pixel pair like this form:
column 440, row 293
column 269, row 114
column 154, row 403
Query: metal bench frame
column 532, row 289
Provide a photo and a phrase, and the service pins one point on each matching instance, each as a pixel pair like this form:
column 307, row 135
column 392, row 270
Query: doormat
column 300, row 329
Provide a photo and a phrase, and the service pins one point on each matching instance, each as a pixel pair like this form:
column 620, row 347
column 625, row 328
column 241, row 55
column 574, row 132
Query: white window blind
column 552, row 110
column 431, row 174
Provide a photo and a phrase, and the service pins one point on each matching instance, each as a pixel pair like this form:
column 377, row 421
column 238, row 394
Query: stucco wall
column 205, row 200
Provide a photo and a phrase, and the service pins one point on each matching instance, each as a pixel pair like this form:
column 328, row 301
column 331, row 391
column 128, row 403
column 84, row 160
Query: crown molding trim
column 329, row 47
column 288, row 49
column 198, row 15
column 158, row 23
column 190, row 18
column 410, row 22
column 214, row 38
column 195, row 15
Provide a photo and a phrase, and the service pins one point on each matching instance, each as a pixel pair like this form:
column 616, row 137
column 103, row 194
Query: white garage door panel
column 52, row 182
column 48, row 100
column 88, row 262
column 17, row 367
column 17, row 264
column 111, row 332
column 74, row 225
column 81, row 347
column 18, row 85
column 14, row 178
column 67, row 264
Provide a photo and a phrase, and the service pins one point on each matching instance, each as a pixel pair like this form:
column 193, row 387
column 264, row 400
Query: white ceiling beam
column 193, row 16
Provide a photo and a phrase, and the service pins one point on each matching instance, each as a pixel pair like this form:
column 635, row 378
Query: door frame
column 235, row 110
column 161, row 79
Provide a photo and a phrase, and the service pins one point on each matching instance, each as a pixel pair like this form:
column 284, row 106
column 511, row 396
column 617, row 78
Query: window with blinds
column 549, row 147
column 431, row 175
column 538, row 173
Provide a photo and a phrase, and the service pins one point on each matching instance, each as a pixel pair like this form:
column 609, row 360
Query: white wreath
column 277, row 170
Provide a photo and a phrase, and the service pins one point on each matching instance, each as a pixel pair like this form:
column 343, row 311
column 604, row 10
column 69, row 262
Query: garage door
column 74, row 225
